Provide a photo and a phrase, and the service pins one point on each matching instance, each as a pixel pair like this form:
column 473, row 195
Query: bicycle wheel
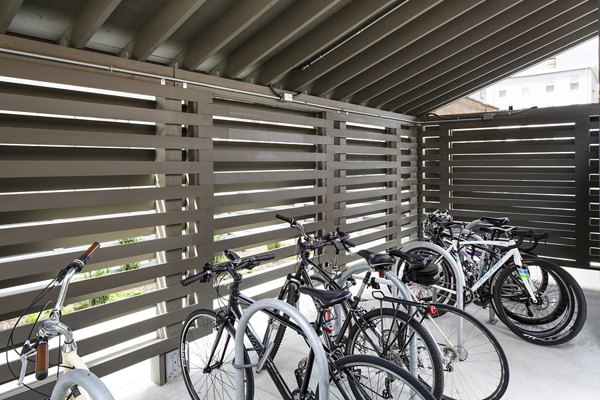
column 369, row 377
column 445, row 290
column 207, row 353
column 392, row 334
column 475, row 366
column 559, row 312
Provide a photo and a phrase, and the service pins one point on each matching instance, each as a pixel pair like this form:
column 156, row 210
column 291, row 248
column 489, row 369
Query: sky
column 585, row 54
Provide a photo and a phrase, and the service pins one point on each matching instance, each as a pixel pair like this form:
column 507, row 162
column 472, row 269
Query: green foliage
column 133, row 264
column 273, row 246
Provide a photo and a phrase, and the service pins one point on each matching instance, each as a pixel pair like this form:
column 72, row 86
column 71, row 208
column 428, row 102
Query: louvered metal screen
column 538, row 167
column 166, row 177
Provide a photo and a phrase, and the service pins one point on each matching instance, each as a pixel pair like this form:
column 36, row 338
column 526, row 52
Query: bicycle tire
column 477, row 368
column 561, row 324
column 289, row 294
column 83, row 380
column 200, row 331
column 370, row 377
column 375, row 324
column 447, row 279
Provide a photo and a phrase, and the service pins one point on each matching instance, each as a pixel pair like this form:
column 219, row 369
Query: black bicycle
column 399, row 337
column 206, row 349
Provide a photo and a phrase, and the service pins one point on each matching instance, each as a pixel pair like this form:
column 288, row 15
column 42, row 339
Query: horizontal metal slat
column 57, row 137
column 266, row 134
column 29, row 169
column 70, row 229
column 44, row 201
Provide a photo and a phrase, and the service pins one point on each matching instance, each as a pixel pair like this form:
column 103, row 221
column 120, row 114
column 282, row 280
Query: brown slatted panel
column 188, row 173
column 537, row 168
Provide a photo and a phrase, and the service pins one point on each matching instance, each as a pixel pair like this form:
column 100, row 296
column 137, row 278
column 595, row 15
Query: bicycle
column 535, row 298
column 78, row 382
column 397, row 337
column 206, row 350
column 474, row 363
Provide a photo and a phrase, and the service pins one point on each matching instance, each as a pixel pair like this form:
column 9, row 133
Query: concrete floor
column 568, row 371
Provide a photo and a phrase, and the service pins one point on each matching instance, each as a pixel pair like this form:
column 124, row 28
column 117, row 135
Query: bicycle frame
column 512, row 252
column 235, row 311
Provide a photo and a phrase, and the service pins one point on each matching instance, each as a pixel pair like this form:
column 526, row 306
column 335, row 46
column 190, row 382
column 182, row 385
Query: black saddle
column 414, row 261
column 376, row 259
column 495, row 221
column 325, row 297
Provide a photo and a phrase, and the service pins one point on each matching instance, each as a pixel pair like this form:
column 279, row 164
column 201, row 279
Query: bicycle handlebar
column 235, row 263
column 318, row 243
column 290, row 221
column 78, row 263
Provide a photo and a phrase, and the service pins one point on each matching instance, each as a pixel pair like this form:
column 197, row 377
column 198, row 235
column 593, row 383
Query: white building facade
column 569, row 78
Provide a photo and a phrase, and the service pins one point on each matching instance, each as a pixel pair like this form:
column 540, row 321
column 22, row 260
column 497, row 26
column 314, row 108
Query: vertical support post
column 165, row 206
column 583, row 174
column 394, row 178
column 445, row 168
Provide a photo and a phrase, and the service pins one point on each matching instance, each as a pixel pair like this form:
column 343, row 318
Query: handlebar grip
column 202, row 276
column 80, row 261
column 349, row 243
column 41, row 360
column 91, row 250
column 290, row 221
column 265, row 257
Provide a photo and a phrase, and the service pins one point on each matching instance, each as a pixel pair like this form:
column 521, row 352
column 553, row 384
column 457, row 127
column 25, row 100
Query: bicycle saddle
column 495, row 221
column 414, row 261
column 325, row 297
column 374, row 259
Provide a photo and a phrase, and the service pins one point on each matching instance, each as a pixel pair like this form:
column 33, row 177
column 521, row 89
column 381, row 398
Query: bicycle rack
column 395, row 284
column 84, row 379
column 460, row 276
column 311, row 337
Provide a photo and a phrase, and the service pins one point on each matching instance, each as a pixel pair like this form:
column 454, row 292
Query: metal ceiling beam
column 327, row 34
column 8, row 9
column 160, row 27
column 506, row 27
column 91, row 17
column 380, row 31
column 515, row 47
column 479, row 25
column 224, row 29
column 293, row 20
column 441, row 15
column 535, row 52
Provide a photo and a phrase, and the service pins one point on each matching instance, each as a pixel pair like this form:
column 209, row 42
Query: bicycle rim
column 393, row 335
column 475, row 365
column 207, row 354
column 446, row 288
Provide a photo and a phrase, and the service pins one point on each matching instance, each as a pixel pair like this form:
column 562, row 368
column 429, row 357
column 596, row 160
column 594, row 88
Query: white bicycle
column 536, row 299
column 78, row 382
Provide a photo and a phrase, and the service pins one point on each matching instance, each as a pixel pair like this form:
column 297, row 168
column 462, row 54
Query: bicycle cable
column 10, row 344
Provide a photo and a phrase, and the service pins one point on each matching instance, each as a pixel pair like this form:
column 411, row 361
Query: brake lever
column 25, row 353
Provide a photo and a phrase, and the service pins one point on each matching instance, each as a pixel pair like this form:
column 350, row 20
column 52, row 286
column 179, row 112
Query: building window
column 525, row 91
column 549, row 88
column 574, row 85
column 502, row 93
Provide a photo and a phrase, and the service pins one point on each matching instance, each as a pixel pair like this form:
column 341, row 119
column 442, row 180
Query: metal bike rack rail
column 311, row 337
column 83, row 378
